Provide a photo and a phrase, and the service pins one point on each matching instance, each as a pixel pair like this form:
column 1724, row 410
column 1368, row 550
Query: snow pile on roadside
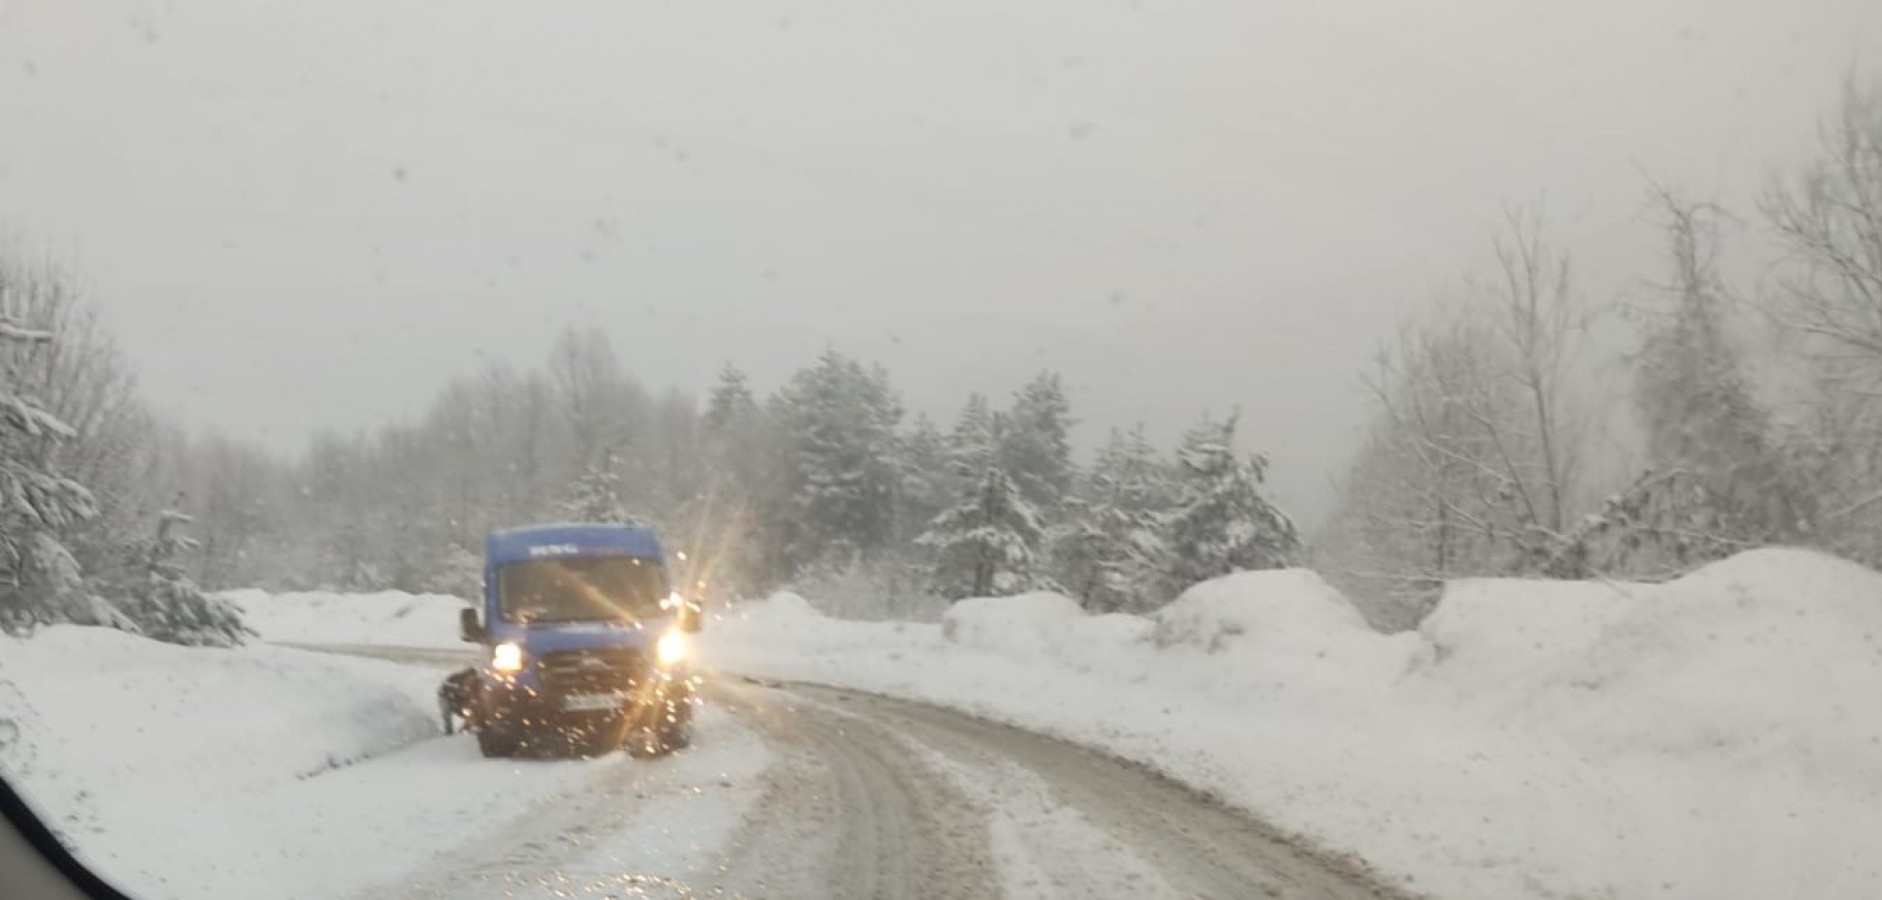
column 123, row 740
column 388, row 618
column 1019, row 624
column 1764, row 661
column 263, row 771
column 1277, row 633
column 1712, row 737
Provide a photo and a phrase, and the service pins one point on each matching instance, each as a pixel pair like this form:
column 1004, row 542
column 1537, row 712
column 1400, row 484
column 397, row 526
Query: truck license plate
column 589, row 702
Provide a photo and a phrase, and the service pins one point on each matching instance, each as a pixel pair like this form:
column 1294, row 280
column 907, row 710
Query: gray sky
column 309, row 214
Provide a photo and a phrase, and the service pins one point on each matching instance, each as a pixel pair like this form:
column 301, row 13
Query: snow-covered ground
column 1715, row 737
column 270, row 772
column 388, row 618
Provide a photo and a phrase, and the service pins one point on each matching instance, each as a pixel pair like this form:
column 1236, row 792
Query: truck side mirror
column 468, row 628
column 689, row 617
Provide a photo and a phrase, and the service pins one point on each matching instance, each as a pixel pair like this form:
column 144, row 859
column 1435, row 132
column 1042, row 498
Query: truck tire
column 672, row 732
column 676, row 729
column 496, row 743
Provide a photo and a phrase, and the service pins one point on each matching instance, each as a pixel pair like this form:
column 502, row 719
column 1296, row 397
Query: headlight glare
column 671, row 648
column 507, row 658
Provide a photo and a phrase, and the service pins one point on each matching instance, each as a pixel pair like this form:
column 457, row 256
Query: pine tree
column 736, row 522
column 596, row 495
column 926, row 479
column 988, row 543
column 972, row 434
column 1717, row 483
column 838, row 420
column 459, row 573
column 1221, row 523
column 167, row 605
column 1036, row 448
column 1112, row 550
column 731, row 402
column 40, row 581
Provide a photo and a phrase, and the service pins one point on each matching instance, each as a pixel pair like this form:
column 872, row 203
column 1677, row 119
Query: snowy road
column 863, row 796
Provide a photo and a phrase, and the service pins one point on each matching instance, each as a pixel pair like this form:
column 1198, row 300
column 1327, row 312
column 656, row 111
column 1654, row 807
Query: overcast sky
column 299, row 215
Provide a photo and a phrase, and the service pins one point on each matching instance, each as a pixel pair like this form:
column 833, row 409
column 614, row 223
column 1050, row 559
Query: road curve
column 1189, row 845
column 871, row 797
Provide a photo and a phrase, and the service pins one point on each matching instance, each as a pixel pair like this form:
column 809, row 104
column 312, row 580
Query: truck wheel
column 494, row 742
column 674, row 731
column 678, row 735
column 646, row 743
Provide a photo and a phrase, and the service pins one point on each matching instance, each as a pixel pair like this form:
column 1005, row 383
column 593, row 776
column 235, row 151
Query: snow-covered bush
column 166, row 605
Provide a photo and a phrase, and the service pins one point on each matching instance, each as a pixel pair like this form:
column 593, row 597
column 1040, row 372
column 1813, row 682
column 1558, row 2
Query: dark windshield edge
column 581, row 589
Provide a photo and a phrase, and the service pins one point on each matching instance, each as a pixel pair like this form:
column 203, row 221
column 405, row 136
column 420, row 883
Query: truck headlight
column 507, row 658
column 671, row 648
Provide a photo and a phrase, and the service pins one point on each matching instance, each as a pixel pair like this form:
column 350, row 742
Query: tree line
column 89, row 530
column 1752, row 408
column 1752, row 415
column 824, row 484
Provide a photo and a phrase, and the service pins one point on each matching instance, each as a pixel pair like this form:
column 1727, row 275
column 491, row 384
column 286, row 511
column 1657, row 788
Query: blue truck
column 586, row 645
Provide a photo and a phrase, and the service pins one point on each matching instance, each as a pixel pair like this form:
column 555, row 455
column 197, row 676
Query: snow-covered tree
column 40, row 581
column 1824, row 296
column 36, row 573
column 1721, row 484
column 601, row 405
column 838, row 420
column 1828, row 223
column 737, row 520
column 166, row 605
column 1477, row 451
column 1428, row 495
column 1036, row 448
column 1220, row 522
column 988, row 542
column 731, row 402
column 596, row 495
column 1111, row 552
column 972, row 434
column 459, row 573
column 927, row 480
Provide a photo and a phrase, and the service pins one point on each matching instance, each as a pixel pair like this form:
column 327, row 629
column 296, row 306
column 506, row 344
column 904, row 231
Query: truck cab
column 586, row 643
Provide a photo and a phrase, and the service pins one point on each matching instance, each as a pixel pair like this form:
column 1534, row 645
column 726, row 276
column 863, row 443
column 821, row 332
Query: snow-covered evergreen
column 988, row 543
column 1722, row 486
column 40, row 581
column 927, row 480
column 167, row 605
column 1220, row 522
column 730, row 403
column 734, row 515
column 839, row 423
column 596, row 495
column 1111, row 550
column 1035, row 447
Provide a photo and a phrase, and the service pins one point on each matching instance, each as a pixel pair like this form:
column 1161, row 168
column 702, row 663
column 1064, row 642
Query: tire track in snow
column 866, row 796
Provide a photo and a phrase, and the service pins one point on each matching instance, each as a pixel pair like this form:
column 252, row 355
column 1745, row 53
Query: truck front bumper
column 525, row 707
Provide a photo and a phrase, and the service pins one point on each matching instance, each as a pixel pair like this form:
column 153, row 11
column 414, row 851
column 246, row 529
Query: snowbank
column 1715, row 737
column 1010, row 624
column 1767, row 660
column 389, row 618
column 116, row 734
column 269, row 772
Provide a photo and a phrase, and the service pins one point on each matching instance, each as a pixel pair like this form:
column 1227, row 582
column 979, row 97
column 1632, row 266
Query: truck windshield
column 580, row 589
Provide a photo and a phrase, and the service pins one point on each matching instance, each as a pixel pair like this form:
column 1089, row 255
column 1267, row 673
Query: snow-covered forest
column 1746, row 415
column 1743, row 411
